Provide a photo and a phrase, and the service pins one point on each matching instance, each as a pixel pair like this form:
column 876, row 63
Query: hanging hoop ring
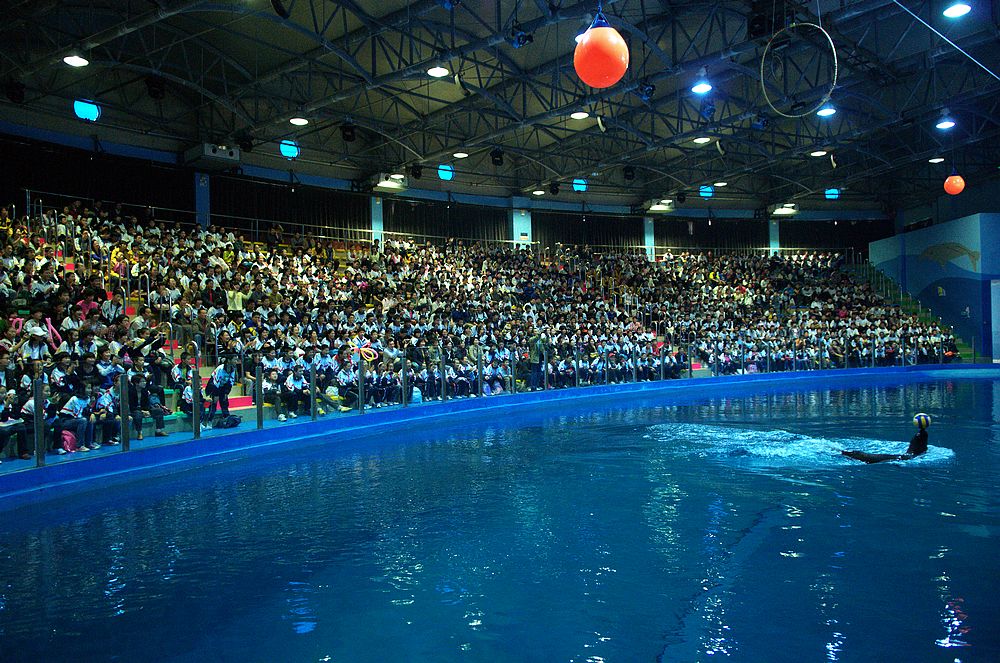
column 833, row 84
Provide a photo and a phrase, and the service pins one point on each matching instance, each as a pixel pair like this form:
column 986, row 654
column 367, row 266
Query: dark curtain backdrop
column 826, row 235
column 551, row 228
column 251, row 204
column 88, row 175
column 722, row 234
column 432, row 219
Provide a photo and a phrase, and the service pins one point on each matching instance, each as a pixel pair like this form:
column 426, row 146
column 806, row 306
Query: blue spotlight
column 832, row 194
column 87, row 110
column 579, row 184
column 289, row 149
column 706, row 191
column 446, row 172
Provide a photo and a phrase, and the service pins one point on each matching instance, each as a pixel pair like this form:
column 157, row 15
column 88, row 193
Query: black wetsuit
column 917, row 446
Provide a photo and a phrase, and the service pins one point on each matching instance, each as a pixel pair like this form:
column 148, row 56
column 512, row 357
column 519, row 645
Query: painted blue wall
column 948, row 267
column 377, row 207
column 520, row 220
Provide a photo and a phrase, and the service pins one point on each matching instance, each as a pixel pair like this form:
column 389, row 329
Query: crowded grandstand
column 93, row 292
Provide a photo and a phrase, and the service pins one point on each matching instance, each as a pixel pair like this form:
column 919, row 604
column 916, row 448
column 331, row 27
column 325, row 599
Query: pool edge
column 29, row 486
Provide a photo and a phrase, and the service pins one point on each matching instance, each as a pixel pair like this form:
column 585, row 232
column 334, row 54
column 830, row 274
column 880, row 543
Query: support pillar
column 649, row 238
column 376, row 205
column 203, row 199
column 773, row 236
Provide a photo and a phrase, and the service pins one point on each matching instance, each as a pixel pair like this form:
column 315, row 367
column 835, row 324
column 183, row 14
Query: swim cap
column 921, row 420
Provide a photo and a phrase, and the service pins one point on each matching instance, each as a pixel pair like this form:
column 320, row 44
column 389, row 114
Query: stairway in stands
column 896, row 296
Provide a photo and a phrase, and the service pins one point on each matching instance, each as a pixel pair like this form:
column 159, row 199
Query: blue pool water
column 617, row 529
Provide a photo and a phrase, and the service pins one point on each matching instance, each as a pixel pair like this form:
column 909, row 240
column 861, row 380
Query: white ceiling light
column 438, row 71
column 76, row 60
column 460, row 155
column 935, row 160
column 818, row 153
column 957, row 9
column 718, row 184
column 398, row 176
column 538, row 192
column 299, row 121
column 701, row 140
column 580, row 115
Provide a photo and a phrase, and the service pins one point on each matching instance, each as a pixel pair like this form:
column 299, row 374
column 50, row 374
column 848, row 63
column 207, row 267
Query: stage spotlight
column 707, row 109
column 682, row 197
column 646, row 90
column 496, row 156
column 156, row 87
column 348, row 133
column 519, row 37
column 554, row 188
column 416, row 171
column 245, row 142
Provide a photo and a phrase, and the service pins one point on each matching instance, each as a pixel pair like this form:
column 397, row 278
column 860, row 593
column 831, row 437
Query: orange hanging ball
column 954, row 185
column 601, row 56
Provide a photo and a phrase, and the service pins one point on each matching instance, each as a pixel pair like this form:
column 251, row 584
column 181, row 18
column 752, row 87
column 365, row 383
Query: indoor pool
column 615, row 529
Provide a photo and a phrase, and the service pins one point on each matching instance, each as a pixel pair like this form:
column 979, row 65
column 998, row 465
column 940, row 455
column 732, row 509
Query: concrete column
column 520, row 223
column 649, row 238
column 202, row 199
column 376, row 204
column 773, row 235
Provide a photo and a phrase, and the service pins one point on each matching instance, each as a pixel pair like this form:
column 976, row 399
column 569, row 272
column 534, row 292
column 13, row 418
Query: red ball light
column 601, row 57
column 954, row 185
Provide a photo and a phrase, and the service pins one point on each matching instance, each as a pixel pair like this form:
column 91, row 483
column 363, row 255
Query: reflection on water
column 627, row 529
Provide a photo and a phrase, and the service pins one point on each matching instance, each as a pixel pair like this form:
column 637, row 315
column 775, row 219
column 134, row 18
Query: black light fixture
column 682, row 197
column 348, row 133
column 416, row 171
column 519, row 37
column 496, row 156
column 245, row 142
column 156, row 87
column 646, row 90
column 14, row 91
column 554, row 188
column 628, row 172
column 280, row 9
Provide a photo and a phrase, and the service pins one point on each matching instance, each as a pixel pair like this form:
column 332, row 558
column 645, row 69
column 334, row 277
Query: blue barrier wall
column 948, row 267
column 35, row 485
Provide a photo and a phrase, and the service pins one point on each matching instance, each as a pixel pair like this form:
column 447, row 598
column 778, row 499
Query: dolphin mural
column 942, row 254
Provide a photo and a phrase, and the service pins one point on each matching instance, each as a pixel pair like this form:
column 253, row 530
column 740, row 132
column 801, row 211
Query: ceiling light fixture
column 956, row 10
column 702, row 86
column 818, row 153
column 720, row 184
column 945, row 122
column 299, row 121
column 580, row 115
column 76, row 60
column 827, row 110
column 460, row 155
column 538, row 192
column 935, row 160
column 438, row 71
column 701, row 140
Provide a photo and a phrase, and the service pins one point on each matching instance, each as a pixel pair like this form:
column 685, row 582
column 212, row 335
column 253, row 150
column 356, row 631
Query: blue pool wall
column 34, row 485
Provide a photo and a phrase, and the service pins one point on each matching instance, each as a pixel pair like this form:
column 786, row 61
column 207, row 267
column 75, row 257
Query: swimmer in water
column 917, row 446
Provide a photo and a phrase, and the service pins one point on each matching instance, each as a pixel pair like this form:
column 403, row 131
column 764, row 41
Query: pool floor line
column 32, row 485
